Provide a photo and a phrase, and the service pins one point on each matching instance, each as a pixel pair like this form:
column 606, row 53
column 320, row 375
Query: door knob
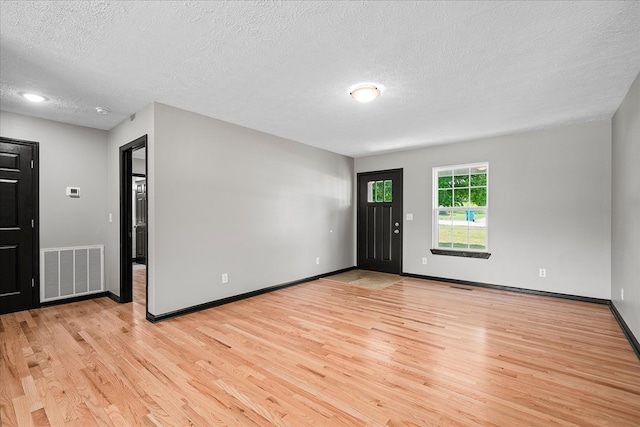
column 396, row 231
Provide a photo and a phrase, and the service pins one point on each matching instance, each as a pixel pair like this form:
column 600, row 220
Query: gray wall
column 233, row 200
column 70, row 156
column 625, row 209
column 549, row 201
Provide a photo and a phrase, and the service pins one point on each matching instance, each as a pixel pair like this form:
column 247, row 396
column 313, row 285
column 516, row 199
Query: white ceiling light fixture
column 365, row 92
column 33, row 97
column 102, row 110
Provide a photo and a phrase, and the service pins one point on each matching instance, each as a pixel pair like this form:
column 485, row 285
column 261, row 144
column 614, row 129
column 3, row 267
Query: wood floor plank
column 31, row 393
column 417, row 353
column 56, row 406
column 22, row 408
column 39, row 418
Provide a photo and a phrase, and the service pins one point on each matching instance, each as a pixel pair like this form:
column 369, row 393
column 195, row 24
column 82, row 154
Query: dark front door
column 380, row 221
column 17, row 225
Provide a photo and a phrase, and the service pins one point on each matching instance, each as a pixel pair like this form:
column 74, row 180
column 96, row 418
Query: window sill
column 465, row 254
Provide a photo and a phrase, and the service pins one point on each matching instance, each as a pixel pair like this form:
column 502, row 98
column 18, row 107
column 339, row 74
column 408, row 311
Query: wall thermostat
column 73, row 191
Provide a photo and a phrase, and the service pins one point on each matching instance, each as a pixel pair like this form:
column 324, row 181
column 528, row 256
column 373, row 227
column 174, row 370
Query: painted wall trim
column 193, row 309
column 125, row 160
column 625, row 329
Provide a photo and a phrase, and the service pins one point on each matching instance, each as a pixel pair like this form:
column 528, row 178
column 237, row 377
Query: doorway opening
column 133, row 223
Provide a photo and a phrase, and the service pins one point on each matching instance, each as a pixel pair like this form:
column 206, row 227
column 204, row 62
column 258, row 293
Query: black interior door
column 141, row 221
column 18, row 187
column 380, row 221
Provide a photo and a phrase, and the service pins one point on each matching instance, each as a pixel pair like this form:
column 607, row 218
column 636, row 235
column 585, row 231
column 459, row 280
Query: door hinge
column 33, row 223
column 31, row 164
column 33, row 282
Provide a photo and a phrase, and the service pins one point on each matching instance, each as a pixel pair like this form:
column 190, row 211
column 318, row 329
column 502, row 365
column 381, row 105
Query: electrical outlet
column 225, row 278
column 317, row 260
column 622, row 294
column 424, row 260
column 542, row 272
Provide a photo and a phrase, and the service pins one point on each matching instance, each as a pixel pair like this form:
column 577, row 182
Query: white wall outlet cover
column 409, row 217
column 73, row 191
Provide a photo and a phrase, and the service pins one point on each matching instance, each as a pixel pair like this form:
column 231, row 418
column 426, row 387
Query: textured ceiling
column 451, row 70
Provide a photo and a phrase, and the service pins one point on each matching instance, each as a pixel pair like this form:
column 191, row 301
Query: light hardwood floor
column 140, row 284
column 417, row 353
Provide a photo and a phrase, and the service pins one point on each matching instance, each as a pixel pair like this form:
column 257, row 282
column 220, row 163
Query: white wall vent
column 71, row 272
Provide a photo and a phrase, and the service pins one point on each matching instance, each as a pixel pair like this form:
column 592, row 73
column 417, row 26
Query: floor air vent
column 71, row 272
column 460, row 287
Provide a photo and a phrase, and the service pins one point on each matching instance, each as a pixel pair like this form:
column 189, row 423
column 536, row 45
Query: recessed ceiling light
column 33, row 97
column 365, row 92
column 102, row 110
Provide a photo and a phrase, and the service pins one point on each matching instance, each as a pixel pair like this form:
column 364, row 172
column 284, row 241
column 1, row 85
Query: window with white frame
column 461, row 208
